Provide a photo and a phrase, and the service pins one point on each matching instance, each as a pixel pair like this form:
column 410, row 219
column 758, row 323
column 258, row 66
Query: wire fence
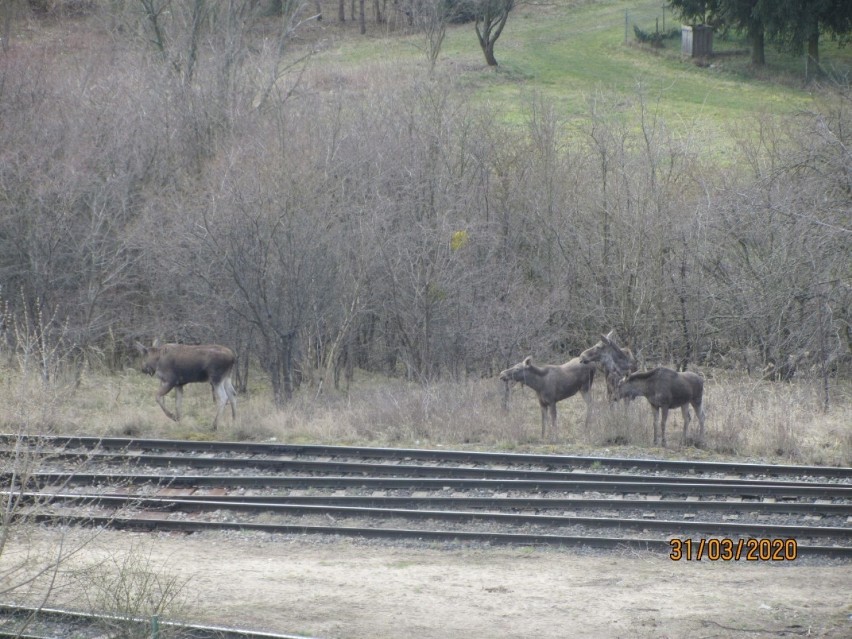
column 650, row 19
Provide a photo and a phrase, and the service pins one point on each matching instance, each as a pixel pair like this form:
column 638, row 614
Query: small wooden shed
column 696, row 41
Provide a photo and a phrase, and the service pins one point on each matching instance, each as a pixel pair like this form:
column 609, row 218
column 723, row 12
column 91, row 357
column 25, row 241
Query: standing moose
column 553, row 383
column 617, row 362
column 665, row 389
column 178, row 364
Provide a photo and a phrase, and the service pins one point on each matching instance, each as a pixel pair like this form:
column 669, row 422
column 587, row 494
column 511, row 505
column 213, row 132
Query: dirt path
column 354, row 589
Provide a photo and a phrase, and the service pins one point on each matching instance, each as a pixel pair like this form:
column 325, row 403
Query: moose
column 616, row 362
column 176, row 365
column 665, row 389
column 553, row 383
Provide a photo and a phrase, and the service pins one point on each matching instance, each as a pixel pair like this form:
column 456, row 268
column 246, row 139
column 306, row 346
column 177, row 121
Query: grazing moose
column 553, row 383
column 617, row 362
column 665, row 389
column 177, row 364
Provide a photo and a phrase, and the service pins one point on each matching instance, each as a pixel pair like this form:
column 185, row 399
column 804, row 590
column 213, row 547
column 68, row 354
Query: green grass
column 572, row 53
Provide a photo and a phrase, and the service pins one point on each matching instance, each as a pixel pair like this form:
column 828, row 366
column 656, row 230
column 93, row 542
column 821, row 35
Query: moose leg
column 612, row 380
column 684, row 410
column 543, row 418
column 664, row 410
column 656, row 421
column 222, row 399
column 232, row 396
column 178, row 402
column 699, row 410
column 587, row 397
column 553, row 419
column 165, row 387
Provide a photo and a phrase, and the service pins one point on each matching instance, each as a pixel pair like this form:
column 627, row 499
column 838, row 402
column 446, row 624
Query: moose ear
column 606, row 338
column 528, row 360
column 140, row 348
column 156, row 343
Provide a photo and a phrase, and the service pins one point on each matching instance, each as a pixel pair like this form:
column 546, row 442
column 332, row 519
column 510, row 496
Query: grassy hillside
column 573, row 52
column 570, row 52
column 365, row 181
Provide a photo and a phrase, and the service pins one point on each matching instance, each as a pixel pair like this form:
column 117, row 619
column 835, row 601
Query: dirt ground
column 356, row 589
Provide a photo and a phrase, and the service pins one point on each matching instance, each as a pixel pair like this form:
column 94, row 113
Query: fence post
column 155, row 627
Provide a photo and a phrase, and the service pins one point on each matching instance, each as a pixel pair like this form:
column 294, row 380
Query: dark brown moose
column 178, row 364
column 553, row 383
column 616, row 362
column 665, row 389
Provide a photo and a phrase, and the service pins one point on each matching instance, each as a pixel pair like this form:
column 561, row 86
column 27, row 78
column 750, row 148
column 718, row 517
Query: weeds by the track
column 746, row 417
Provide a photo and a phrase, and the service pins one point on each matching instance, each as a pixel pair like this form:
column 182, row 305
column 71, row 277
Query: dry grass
column 756, row 418
column 746, row 418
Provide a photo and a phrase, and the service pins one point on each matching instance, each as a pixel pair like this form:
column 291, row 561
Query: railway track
column 431, row 495
column 26, row 622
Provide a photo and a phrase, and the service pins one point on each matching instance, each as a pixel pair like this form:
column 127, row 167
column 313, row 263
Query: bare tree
column 276, row 263
column 491, row 17
column 432, row 18
column 400, row 228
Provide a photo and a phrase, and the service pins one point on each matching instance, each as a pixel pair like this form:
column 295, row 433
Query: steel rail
column 361, row 468
column 498, row 503
column 375, row 476
column 782, row 489
column 681, row 527
column 538, row 503
column 150, row 524
column 193, row 631
column 436, row 455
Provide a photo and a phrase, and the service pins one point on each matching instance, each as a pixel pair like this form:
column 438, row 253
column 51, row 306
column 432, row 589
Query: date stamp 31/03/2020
column 727, row 549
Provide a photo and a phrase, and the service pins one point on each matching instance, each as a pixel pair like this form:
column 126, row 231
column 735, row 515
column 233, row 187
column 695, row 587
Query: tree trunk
column 362, row 20
column 489, row 54
column 812, row 68
column 758, row 53
column 489, row 25
column 341, row 10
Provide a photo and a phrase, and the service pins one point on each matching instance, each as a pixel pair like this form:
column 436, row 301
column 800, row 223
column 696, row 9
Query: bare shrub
column 32, row 407
column 32, row 577
column 752, row 417
column 435, row 414
column 128, row 586
column 622, row 424
column 391, row 412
